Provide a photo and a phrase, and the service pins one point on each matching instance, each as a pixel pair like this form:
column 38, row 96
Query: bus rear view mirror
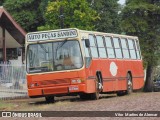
column 87, row 43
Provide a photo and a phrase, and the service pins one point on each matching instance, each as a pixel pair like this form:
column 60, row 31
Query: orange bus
column 78, row 62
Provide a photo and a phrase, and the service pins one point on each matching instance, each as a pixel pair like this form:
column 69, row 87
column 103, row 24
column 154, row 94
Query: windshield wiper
column 43, row 48
column 31, row 58
column 60, row 45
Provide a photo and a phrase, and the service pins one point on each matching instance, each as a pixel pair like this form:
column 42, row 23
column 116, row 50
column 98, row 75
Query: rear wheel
column 49, row 99
column 129, row 84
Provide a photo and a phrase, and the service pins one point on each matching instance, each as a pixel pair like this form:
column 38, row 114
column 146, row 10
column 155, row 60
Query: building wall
column 17, row 62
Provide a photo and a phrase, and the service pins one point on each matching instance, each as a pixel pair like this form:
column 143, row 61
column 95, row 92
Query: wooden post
column 4, row 44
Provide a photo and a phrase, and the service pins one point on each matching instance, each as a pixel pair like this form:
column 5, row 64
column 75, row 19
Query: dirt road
column 133, row 102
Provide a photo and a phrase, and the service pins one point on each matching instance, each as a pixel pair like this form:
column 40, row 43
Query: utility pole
column 4, row 44
column 61, row 17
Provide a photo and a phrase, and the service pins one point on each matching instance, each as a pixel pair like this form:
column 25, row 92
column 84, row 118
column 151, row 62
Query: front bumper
column 58, row 90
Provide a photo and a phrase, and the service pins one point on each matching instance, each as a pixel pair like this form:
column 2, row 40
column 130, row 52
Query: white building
column 12, row 39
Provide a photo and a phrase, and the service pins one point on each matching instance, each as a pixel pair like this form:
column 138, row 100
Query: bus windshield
column 54, row 56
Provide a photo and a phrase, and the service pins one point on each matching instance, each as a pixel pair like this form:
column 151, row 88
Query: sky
column 121, row 1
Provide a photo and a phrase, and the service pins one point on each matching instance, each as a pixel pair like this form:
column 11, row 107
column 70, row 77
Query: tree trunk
column 148, row 87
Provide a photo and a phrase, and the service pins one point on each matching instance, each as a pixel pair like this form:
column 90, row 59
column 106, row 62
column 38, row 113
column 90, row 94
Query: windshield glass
column 54, row 56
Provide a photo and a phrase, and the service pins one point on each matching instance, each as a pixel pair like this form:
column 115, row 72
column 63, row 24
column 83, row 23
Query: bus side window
column 124, row 48
column 117, row 47
column 101, row 48
column 87, row 56
column 86, row 51
column 93, row 47
column 132, row 49
column 109, row 46
column 137, row 49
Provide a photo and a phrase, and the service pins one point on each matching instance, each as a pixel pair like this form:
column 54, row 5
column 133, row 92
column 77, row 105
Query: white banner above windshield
column 50, row 35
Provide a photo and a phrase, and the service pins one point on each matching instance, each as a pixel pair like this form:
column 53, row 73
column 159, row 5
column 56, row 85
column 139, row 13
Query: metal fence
column 12, row 81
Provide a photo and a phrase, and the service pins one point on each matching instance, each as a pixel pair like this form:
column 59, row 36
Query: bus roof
column 107, row 34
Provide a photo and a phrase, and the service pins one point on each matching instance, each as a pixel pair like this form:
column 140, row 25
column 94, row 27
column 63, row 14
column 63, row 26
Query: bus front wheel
column 95, row 96
column 92, row 96
column 84, row 96
column 49, row 99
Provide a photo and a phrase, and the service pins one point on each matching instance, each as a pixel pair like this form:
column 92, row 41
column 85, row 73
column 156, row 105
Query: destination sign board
column 51, row 35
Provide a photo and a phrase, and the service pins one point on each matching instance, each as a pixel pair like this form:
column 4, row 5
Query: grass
column 23, row 105
column 6, row 106
column 30, row 104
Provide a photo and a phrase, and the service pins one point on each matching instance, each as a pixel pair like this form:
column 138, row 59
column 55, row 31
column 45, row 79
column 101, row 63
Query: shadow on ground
column 68, row 99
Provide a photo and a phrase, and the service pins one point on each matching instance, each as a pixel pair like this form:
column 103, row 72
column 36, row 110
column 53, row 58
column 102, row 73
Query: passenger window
column 124, row 48
column 137, row 49
column 132, row 49
column 130, row 44
column 93, row 47
column 109, row 46
column 100, row 41
column 124, row 44
column 108, row 42
column 101, row 48
column 117, row 47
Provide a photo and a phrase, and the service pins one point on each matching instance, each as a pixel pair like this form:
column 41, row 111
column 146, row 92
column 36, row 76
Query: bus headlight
column 33, row 85
column 74, row 81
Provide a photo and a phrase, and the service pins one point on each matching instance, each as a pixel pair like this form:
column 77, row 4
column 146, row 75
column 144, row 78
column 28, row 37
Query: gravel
column 134, row 102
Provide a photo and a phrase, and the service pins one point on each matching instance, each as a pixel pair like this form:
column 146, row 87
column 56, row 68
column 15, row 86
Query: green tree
column 109, row 15
column 74, row 13
column 1, row 2
column 141, row 18
column 28, row 13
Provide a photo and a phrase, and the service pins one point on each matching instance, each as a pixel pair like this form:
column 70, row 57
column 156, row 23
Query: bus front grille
column 55, row 82
column 55, row 90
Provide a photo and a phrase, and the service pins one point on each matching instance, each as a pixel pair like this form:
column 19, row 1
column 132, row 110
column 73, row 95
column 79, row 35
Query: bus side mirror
column 87, row 43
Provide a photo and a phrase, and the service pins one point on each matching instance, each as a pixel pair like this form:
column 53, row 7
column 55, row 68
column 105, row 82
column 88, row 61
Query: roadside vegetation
column 5, row 106
column 137, row 17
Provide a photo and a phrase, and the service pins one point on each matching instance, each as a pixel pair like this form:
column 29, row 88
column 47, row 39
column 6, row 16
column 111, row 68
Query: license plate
column 73, row 88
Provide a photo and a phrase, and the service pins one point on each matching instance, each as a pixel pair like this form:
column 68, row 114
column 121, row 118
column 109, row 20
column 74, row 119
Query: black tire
column 155, row 90
column 95, row 96
column 129, row 84
column 84, row 96
column 91, row 96
column 129, row 87
column 49, row 99
column 121, row 93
